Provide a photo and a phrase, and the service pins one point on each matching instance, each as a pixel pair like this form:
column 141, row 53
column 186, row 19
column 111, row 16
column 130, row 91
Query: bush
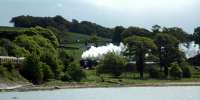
column 66, row 77
column 47, row 72
column 75, row 72
column 3, row 71
column 186, row 72
column 54, row 63
column 32, row 69
column 65, row 57
column 9, row 66
column 155, row 73
column 3, row 52
column 130, row 68
column 176, row 71
column 112, row 64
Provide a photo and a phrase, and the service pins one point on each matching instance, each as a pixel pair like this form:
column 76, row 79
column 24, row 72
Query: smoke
column 190, row 49
column 96, row 53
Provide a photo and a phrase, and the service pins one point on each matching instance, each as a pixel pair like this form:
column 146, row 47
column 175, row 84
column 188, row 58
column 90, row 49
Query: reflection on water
column 126, row 93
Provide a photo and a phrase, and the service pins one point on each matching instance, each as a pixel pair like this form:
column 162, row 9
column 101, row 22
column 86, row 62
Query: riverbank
column 30, row 87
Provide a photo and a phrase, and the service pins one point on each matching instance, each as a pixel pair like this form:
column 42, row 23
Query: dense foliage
column 138, row 47
column 112, row 64
column 176, row 72
column 58, row 22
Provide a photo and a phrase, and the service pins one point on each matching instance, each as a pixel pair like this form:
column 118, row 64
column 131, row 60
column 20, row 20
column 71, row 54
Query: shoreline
column 30, row 87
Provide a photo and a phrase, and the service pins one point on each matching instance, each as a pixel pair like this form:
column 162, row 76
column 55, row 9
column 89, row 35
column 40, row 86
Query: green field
column 75, row 43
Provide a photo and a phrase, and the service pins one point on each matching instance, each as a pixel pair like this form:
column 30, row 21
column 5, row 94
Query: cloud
column 60, row 5
column 142, row 5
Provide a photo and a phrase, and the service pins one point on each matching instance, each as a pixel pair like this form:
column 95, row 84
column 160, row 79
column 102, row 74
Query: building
column 15, row 60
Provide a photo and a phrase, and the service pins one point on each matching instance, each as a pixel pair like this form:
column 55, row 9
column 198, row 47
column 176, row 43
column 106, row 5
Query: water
column 126, row 93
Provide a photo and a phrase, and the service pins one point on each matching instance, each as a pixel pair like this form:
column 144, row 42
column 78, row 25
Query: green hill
column 75, row 42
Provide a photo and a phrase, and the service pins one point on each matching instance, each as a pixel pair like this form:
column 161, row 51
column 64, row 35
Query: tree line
column 63, row 25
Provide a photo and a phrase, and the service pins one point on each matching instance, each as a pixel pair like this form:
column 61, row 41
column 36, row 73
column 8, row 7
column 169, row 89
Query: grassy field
column 6, row 28
column 133, row 78
column 128, row 79
column 74, row 47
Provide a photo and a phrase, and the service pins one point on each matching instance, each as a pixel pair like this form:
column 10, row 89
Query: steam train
column 88, row 63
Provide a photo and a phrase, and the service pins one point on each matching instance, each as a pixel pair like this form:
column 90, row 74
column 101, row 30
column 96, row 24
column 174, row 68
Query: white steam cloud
column 190, row 50
column 96, row 53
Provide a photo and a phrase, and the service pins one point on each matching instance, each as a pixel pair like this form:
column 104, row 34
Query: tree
column 66, row 58
column 32, row 69
column 112, row 64
column 117, row 38
column 140, row 46
column 156, row 28
column 74, row 27
column 54, row 62
column 94, row 39
column 135, row 31
column 196, row 35
column 168, row 50
column 179, row 33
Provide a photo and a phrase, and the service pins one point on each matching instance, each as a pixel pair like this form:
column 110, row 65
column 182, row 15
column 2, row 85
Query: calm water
column 127, row 93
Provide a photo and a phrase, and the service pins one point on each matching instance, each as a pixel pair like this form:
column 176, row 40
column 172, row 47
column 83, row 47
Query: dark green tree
column 196, row 35
column 167, row 50
column 117, row 38
column 135, row 31
column 156, row 28
column 179, row 33
column 32, row 69
column 54, row 62
column 140, row 46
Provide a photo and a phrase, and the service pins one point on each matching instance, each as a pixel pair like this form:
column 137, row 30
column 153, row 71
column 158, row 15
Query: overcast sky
column 110, row 13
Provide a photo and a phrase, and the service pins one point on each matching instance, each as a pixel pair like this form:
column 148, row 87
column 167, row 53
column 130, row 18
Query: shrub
column 9, row 66
column 112, row 64
column 130, row 67
column 47, row 72
column 176, row 71
column 75, row 72
column 155, row 73
column 32, row 69
column 66, row 77
column 3, row 52
column 65, row 57
column 186, row 72
column 54, row 63
column 2, row 71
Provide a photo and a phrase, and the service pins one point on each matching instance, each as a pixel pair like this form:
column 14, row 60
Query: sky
column 110, row 13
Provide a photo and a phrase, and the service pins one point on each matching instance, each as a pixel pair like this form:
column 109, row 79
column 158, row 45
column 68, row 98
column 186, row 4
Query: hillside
column 74, row 43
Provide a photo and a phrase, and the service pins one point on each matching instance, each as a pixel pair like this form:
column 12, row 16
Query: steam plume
column 98, row 52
